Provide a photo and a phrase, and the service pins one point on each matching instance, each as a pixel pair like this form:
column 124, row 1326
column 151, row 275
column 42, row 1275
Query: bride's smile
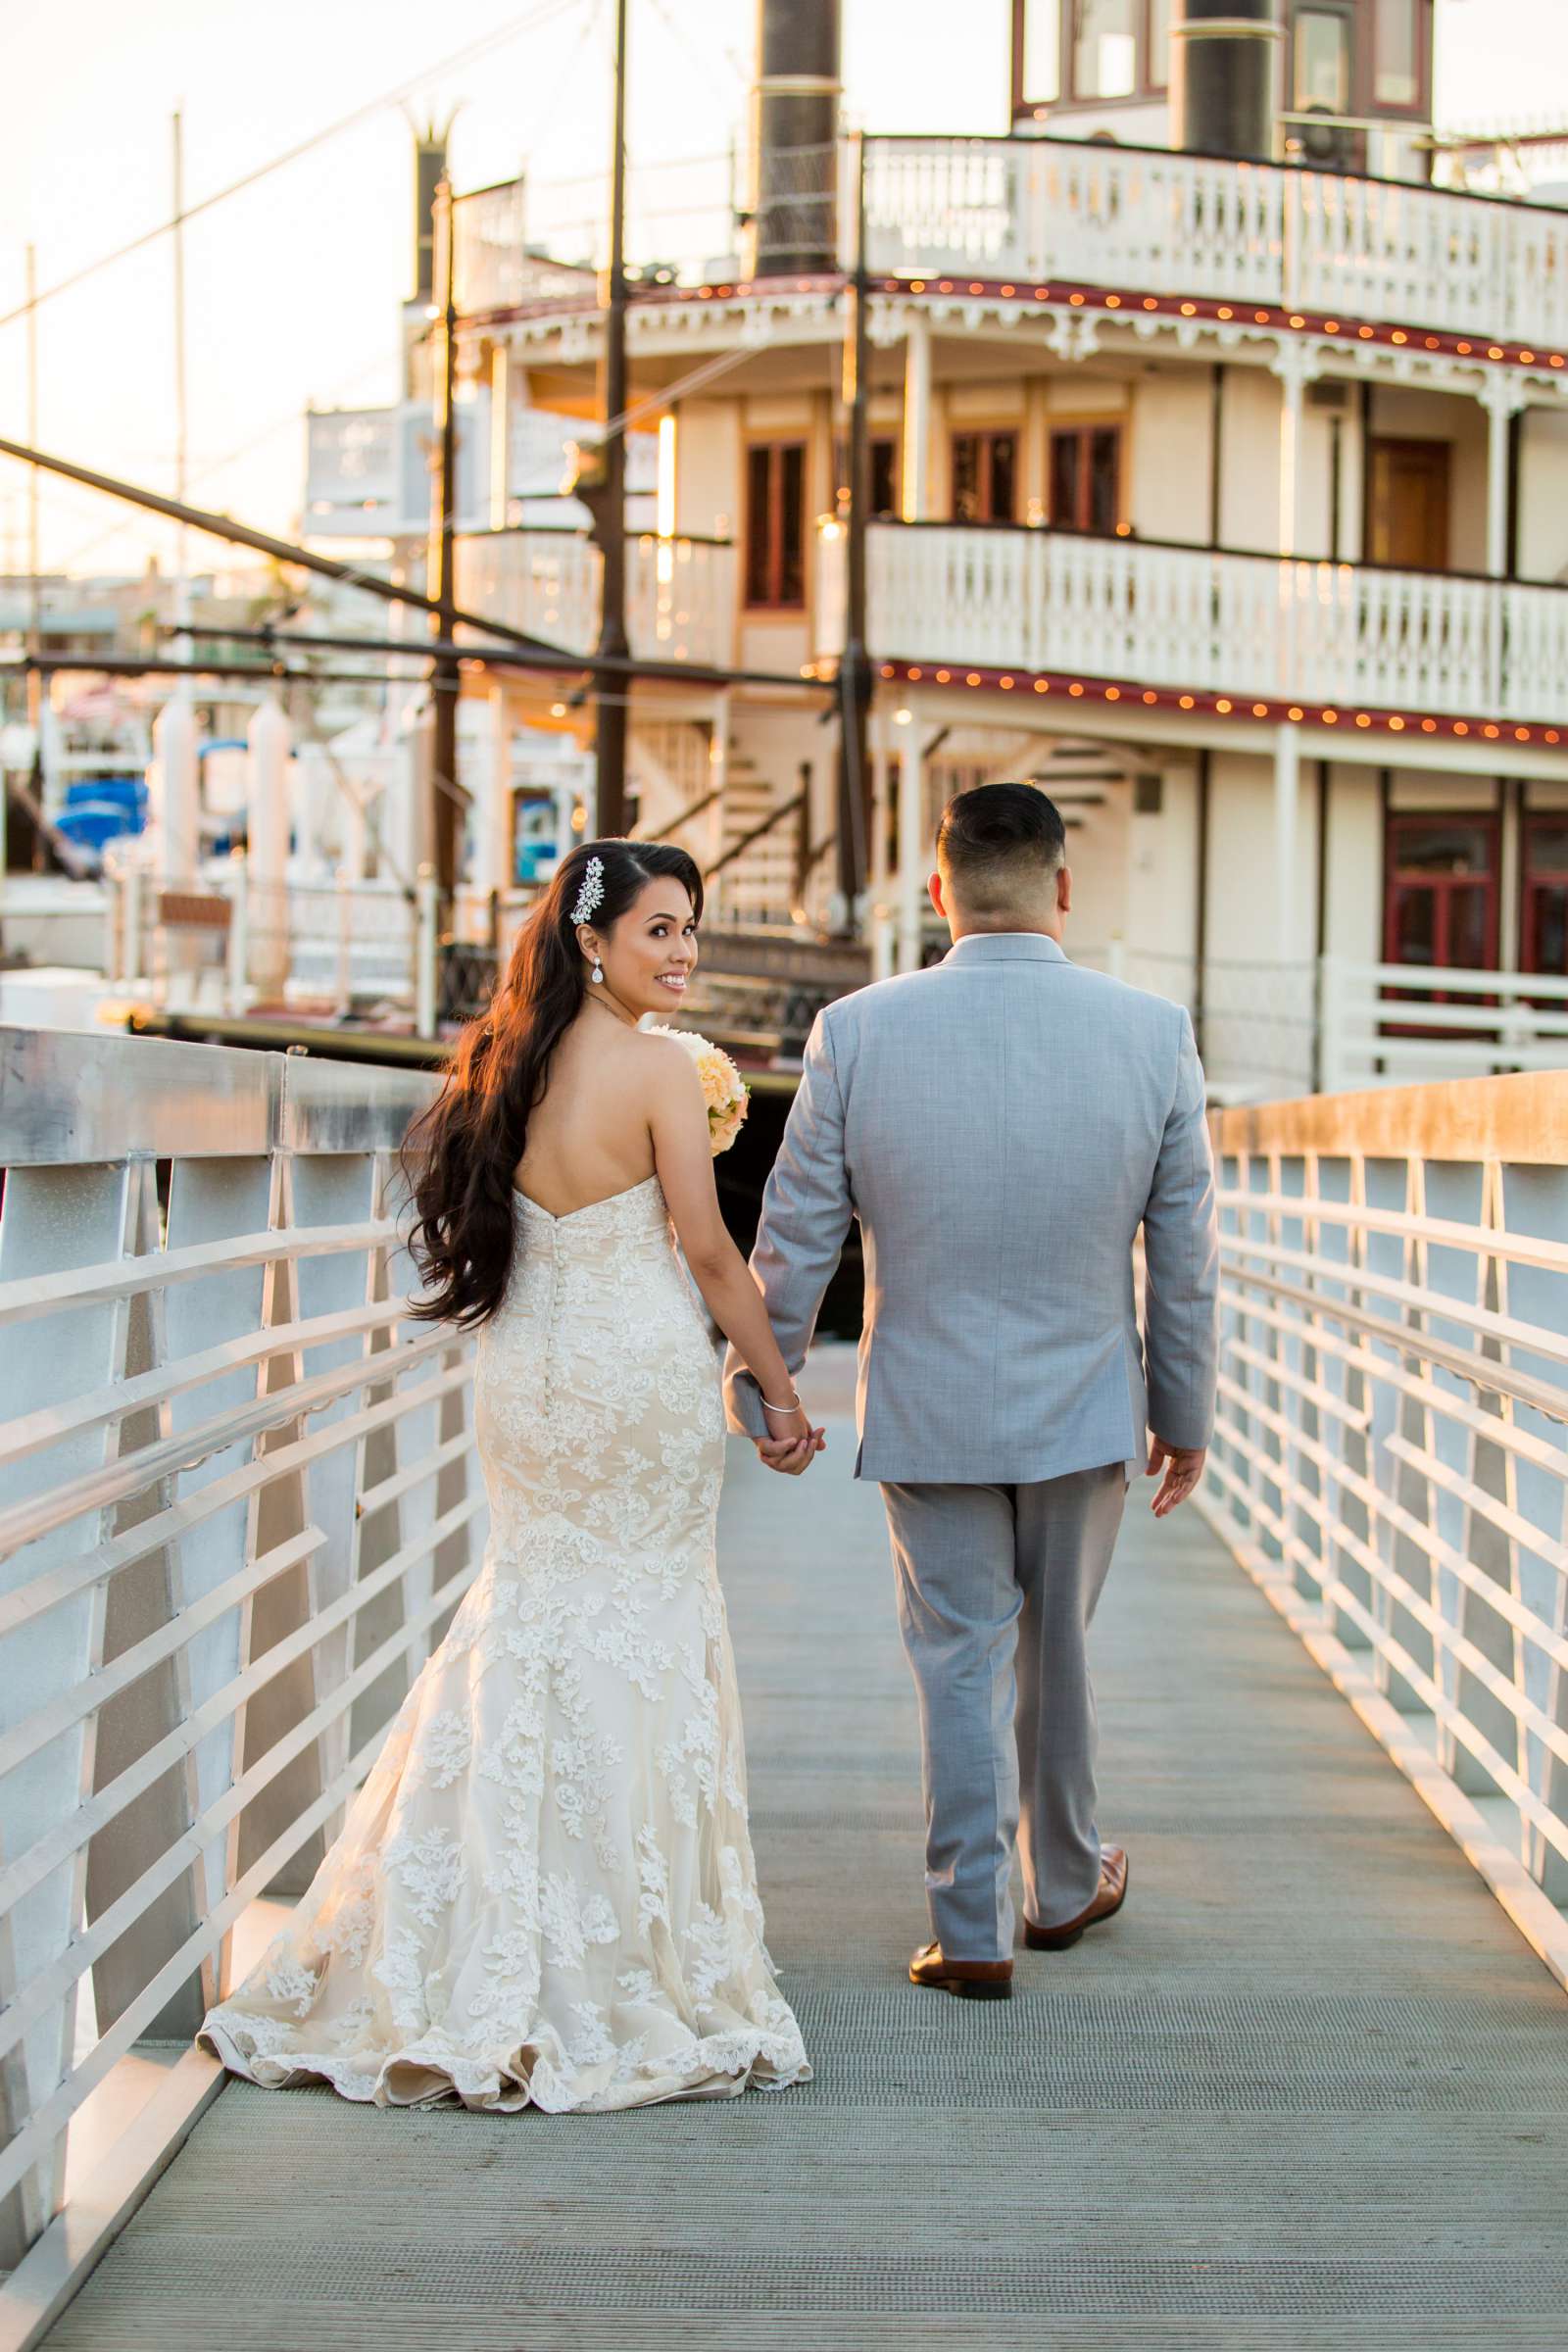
column 642, row 962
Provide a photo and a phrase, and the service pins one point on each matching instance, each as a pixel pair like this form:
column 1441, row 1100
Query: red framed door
column 1439, row 904
column 1440, row 892
column 1543, row 913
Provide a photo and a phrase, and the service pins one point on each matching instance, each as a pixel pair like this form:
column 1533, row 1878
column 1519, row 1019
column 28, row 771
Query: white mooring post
column 175, row 794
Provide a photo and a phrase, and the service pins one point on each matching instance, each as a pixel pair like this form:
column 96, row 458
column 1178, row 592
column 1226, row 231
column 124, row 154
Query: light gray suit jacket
column 1002, row 1124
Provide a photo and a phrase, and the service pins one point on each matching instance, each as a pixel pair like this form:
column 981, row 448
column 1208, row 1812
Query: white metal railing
column 1271, row 1029
column 236, row 1505
column 680, row 593
column 1399, row 1021
column 333, row 942
column 1338, row 634
column 1255, row 1020
column 337, row 940
column 326, row 946
column 1028, row 210
column 48, row 920
column 1390, row 1453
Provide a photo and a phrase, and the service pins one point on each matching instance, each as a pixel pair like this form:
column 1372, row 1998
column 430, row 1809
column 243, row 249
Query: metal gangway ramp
column 1309, row 2089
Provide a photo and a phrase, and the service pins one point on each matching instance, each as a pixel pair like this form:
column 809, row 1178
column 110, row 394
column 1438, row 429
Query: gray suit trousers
column 996, row 1588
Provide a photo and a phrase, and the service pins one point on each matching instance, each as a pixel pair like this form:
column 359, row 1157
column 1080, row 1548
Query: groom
column 1001, row 1125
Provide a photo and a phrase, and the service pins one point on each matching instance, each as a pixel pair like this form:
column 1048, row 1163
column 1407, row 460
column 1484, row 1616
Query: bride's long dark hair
column 460, row 1154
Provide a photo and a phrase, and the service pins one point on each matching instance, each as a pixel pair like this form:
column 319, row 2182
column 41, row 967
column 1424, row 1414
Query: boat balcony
column 680, row 592
column 1038, row 212
column 1062, row 604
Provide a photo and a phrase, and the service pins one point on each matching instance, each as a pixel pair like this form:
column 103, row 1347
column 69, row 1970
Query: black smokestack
column 1223, row 65
column 798, row 88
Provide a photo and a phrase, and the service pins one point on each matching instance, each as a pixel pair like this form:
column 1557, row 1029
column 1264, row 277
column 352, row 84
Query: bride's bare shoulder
column 643, row 1058
column 665, row 1062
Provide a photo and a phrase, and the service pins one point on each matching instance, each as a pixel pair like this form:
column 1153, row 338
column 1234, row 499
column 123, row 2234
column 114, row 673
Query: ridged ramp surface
column 1309, row 2089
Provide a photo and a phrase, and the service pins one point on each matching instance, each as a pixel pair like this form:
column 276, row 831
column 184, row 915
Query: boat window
column 1322, row 61
column 1105, row 50
column 775, row 523
column 1156, row 66
column 1395, row 77
column 1042, row 52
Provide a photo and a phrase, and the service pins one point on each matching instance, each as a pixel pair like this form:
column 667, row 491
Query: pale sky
column 293, row 286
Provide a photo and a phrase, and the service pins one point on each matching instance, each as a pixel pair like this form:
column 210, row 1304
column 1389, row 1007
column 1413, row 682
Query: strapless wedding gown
column 545, row 1890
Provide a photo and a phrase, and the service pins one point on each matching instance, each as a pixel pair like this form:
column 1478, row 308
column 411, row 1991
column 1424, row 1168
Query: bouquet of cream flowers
column 725, row 1090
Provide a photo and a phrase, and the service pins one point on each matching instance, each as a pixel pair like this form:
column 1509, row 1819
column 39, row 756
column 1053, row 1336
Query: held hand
column 791, row 1443
column 1184, row 1467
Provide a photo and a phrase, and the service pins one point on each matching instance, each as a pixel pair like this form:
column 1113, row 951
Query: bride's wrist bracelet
column 794, row 1406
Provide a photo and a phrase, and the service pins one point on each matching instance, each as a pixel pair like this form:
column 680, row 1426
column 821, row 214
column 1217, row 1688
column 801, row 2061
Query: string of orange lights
column 1278, row 710
column 1110, row 300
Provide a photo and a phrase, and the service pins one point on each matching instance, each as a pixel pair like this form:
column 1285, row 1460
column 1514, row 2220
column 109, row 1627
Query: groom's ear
column 1064, row 890
column 934, row 886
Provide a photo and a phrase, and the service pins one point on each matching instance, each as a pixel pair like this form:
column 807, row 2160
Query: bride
column 545, row 1891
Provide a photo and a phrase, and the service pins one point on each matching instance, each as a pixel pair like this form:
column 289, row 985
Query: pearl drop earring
column 598, row 971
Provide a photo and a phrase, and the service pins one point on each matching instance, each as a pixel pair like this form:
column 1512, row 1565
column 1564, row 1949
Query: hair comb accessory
column 592, row 891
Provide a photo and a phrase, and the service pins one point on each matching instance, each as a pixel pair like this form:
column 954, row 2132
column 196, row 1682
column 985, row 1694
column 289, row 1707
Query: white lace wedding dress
column 545, row 1890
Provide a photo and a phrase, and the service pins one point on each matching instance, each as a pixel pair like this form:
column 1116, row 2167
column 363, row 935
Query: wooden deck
column 1309, row 2089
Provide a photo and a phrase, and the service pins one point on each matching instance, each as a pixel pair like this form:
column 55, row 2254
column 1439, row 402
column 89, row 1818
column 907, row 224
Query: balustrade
column 1197, row 619
column 492, row 268
column 680, row 593
column 1083, row 211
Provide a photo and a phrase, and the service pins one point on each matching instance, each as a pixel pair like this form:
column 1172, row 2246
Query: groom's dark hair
column 998, row 844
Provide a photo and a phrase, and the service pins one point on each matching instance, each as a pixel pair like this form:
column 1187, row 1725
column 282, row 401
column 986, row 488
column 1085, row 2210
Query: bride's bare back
column 592, row 1134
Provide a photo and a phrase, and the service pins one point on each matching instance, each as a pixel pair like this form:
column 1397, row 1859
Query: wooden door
column 985, row 476
column 1407, row 504
column 1084, row 477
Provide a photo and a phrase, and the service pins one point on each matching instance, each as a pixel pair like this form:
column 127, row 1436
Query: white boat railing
column 235, row 941
column 491, row 267
column 1391, row 1456
column 1345, row 635
column 238, row 1506
column 320, row 946
column 1330, row 1025
column 680, row 593
column 1271, row 1029
column 1393, row 1022
column 1140, row 220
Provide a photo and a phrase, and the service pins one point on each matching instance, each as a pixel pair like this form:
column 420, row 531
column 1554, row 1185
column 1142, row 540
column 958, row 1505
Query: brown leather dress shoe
column 970, row 1980
column 1107, row 1902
